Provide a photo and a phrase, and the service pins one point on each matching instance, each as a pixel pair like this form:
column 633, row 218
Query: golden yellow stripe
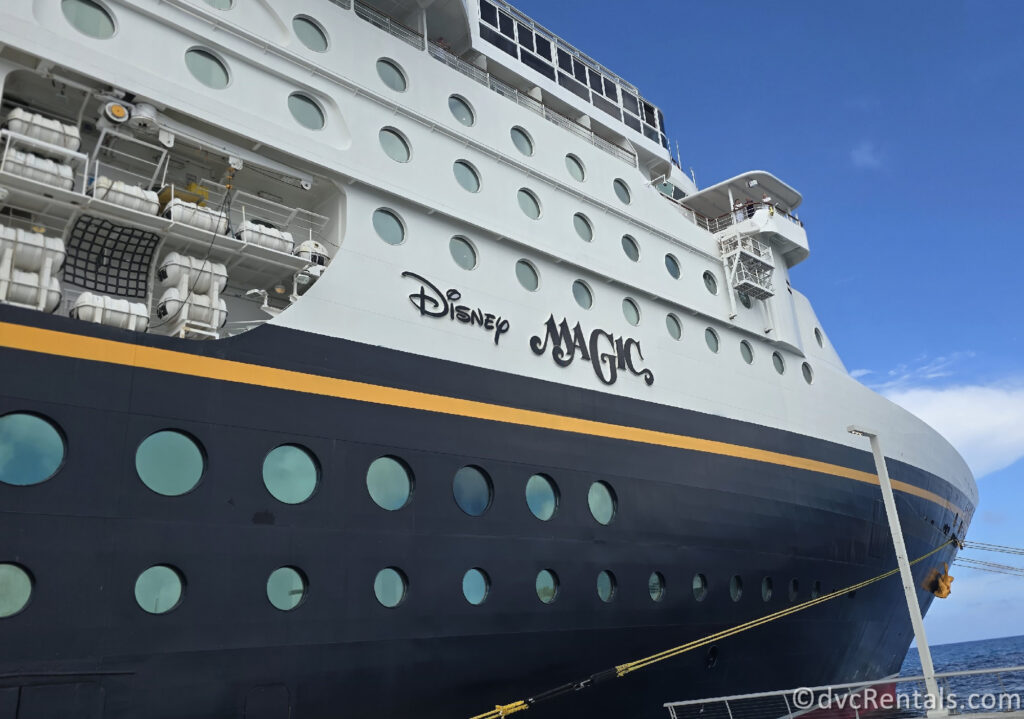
column 34, row 339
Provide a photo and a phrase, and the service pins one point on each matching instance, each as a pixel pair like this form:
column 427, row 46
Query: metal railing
column 745, row 212
column 390, row 25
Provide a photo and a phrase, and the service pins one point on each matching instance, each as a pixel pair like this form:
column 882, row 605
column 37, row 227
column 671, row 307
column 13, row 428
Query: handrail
column 390, row 25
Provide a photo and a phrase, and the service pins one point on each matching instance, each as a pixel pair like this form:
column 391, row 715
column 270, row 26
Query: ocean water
column 984, row 654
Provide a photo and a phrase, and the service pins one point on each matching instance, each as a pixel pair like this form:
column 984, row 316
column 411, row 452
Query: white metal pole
column 909, row 590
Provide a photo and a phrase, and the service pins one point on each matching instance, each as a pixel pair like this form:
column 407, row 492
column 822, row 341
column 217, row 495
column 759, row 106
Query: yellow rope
column 622, row 670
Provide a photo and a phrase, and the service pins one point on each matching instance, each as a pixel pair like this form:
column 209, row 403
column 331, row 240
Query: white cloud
column 858, row 373
column 866, row 155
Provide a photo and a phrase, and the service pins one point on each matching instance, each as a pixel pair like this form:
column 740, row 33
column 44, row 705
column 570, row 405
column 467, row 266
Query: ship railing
column 717, row 224
column 530, row 103
column 964, row 692
column 390, row 25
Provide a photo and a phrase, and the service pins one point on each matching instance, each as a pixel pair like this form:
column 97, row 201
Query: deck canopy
column 714, row 201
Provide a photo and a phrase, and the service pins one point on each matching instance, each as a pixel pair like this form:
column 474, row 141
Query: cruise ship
column 375, row 358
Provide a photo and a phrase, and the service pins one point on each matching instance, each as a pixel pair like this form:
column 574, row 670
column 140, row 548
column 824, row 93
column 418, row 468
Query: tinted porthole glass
column 711, row 283
column 170, row 463
column 622, row 191
column 767, row 589
column 389, row 482
column 476, row 585
column 220, row 4
column 461, row 110
column 700, row 587
column 778, row 362
column 794, row 590
column 807, row 372
column 390, row 586
column 746, row 351
column 473, row 490
column 310, row 33
column 631, row 248
column 630, row 311
column 290, row 474
column 394, row 145
column 159, row 589
column 711, row 337
column 466, row 176
column 736, row 588
column 89, row 18
column 818, row 338
column 581, row 293
column 656, row 586
column 672, row 265
column 542, row 497
column 606, row 586
column 206, row 68
column 529, row 203
column 602, row 502
column 583, row 227
column 391, row 75
column 31, row 449
column 547, row 586
column 744, row 299
column 306, row 111
column 15, row 589
column 575, row 167
column 674, row 326
column 286, row 588
column 522, row 140
column 816, row 590
column 527, row 276
column 462, row 252
column 388, row 227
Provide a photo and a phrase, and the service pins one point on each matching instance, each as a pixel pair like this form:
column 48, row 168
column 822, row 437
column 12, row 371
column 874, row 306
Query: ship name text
column 432, row 302
column 609, row 355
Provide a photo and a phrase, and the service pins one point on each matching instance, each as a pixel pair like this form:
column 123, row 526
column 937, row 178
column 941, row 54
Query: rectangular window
column 631, row 121
column 493, row 37
column 579, row 71
column 610, row 107
column 564, row 60
column 488, row 13
column 574, row 87
column 525, row 36
column 661, row 121
column 538, row 65
column 543, row 47
column 650, row 133
column 596, row 82
column 611, row 90
column 648, row 113
column 629, row 102
column 506, row 26
column 664, row 141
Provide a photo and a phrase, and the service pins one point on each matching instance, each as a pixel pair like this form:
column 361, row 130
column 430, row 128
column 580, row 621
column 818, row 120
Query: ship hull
column 83, row 647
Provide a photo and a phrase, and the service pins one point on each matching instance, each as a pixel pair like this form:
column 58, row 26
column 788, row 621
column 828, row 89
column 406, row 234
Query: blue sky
column 900, row 123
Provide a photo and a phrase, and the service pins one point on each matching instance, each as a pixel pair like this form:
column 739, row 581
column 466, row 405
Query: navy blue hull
column 87, row 533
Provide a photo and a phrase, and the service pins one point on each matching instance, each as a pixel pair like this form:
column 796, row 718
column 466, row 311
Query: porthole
column 794, row 589
column 674, row 326
column 583, row 227
column 476, row 585
column 159, row 589
column 547, row 586
column 656, row 586
column 818, row 338
column 461, row 110
column 672, row 265
column 710, row 282
column 472, row 490
column 529, row 203
column 778, row 363
column 631, row 248
column 606, row 586
column 310, row 33
column 622, row 191
column 522, row 140
column 767, row 589
column 602, row 502
column 31, row 448
column 542, row 496
column 389, row 482
column 745, row 299
column 286, row 588
column 736, row 587
column 747, row 352
column 290, row 474
column 575, row 167
column 462, row 252
column 631, row 311
column 221, row 4
column 89, row 18
column 394, row 144
column 711, row 337
column 391, row 75
column 700, row 587
column 388, row 227
column 816, row 590
column 169, row 463
column 807, row 372
column 306, row 111
column 390, row 586
column 711, row 658
column 15, row 589
column 207, row 68
column 467, row 176
column 527, row 275
column 582, row 294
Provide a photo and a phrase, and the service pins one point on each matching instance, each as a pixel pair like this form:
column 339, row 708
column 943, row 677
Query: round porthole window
column 622, row 191
column 310, row 33
column 389, row 483
column 710, row 282
column 476, row 585
column 547, row 586
column 711, row 338
column 290, row 474
column 744, row 299
column 391, row 75
column 31, row 448
column 631, row 311
column 15, row 589
column 672, row 266
column 700, row 587
column 473, row 490
column 606, row 586
column 818, row 338
column 747, row 352
column 575, row 167
column 674, row 326
column 736, row 587
column 631, row 248
column 286, row 588
column 794, row 589
column 807, row 372
column 207, row 68
column 306, row 111
column 542, row 497
column 159, row 589
column 466, row 175
column 388, row 227
column 656, row 586
column 583, row 227
column 461, row 110
column 602, row 502
column 390, row 586
column 529, row 203
column 89, row 18
column 522, row 140
column 767, row 589
column 582, row 294
column 221, row 4
column 169, row 463
column 394, row 144
column 462, row 252
column 527, row 275
column 778, row 363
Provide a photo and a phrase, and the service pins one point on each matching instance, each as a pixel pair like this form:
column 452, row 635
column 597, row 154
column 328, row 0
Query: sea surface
column 984, row 654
